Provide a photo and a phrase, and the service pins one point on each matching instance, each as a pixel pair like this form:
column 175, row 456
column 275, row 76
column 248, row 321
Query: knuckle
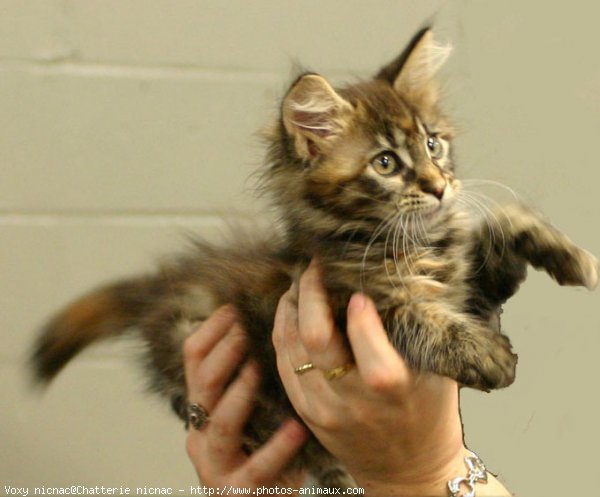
column 314, row 340
column 383, row 380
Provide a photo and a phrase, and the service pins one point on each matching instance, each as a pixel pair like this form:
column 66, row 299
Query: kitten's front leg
column 545, row 247
column 431, row 336
column 519, row 236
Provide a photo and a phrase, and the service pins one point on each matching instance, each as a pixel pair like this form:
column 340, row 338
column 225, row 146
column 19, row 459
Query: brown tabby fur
column 399, row 233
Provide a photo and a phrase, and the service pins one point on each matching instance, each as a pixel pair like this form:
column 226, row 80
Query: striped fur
column 363, row 178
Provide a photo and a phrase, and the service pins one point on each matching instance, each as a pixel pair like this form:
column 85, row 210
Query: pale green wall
column 125, row 123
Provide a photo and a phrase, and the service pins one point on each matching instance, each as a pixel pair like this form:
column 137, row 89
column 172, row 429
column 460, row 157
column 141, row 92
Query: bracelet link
column 476, row 473
column 454, row 486
column 476, row 468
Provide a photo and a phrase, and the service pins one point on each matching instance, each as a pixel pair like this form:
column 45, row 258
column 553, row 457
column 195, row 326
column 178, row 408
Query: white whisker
column 490, row 182
column 494, row 226
column 381, row 227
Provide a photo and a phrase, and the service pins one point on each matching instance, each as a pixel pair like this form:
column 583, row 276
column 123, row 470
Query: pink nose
column 438, row 192
column 436, row 189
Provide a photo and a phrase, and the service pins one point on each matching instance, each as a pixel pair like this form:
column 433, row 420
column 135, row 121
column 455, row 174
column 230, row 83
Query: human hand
column 212, row 354
column 397, row 432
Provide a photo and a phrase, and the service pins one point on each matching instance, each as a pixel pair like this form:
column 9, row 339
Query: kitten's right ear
column 314, row 114
column 412, row 73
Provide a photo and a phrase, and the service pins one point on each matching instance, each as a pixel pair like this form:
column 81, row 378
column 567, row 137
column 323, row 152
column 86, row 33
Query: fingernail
column 227, row 310
column 357, row 303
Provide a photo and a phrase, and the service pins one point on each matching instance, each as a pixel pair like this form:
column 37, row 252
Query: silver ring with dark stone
column 197, row 416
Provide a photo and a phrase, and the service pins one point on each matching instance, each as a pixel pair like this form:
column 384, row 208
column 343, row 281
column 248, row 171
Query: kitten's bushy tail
column 106, row 312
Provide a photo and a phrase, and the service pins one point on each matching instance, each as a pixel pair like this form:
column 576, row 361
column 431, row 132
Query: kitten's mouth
column 431, row 210
column 423, row 214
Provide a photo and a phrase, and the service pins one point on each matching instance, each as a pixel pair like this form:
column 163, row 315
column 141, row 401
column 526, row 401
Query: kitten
column 364, row 179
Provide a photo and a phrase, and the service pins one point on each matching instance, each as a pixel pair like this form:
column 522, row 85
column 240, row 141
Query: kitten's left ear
column 314, row 114
column 412, row 73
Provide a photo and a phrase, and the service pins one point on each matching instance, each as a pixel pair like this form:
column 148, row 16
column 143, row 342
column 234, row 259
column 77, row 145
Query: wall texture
column 125, row 124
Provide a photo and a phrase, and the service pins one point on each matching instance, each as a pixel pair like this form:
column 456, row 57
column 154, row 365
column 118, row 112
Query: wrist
column 427, row 478
column 432, row 483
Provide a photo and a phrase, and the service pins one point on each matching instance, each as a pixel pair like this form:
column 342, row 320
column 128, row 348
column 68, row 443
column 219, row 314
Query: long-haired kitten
column 364, row 179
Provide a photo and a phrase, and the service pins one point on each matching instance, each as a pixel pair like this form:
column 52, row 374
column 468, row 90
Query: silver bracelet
column 477, row 473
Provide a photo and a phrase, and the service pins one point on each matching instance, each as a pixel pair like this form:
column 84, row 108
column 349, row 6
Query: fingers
column 213, row 374
column 318, row 333
column 315, row 339
column 198, row 345
column 284, row 326
column 267, row 464
column 378, row 362
column 291, row 354
column 212, row 354
column 229, row 417
column 221, row 441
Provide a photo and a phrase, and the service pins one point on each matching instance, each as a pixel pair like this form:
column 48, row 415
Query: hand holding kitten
column 396, row 431
column 212, row 355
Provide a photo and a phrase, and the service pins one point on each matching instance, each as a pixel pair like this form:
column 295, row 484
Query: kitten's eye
column 435, row 148
column 386, row 163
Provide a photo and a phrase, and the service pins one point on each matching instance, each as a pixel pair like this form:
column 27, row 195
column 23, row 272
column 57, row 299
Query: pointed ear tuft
column 413, row 73
column 312, row 113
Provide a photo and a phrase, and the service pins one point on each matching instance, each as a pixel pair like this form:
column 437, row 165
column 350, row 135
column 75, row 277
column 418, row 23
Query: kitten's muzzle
column 436, row 187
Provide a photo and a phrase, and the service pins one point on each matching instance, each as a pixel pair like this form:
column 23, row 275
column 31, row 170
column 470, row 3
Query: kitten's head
column 376, row 150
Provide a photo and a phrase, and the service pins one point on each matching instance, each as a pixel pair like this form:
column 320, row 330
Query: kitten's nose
column 435, row 188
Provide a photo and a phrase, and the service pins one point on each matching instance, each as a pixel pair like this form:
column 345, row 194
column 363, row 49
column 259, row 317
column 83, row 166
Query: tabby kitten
column 364, row 179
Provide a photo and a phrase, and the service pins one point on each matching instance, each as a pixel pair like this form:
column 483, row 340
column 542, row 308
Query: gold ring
column 335, row 373
column 305, row 368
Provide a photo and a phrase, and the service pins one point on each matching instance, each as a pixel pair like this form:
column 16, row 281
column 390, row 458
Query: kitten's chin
column 439, row 208
column 431, row 212
column 434, row 215
column 424, row 218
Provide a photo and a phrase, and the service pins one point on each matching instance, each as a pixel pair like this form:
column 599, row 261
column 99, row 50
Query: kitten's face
column 375, row 151
column 389, row 159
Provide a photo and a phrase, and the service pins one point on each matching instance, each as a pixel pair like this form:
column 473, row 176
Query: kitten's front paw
column 574, row 266
column 590, row 271
column 547, row 248
column 489, row 363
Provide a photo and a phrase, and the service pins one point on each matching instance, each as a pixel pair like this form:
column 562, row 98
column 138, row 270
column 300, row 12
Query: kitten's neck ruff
column 380, row 243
